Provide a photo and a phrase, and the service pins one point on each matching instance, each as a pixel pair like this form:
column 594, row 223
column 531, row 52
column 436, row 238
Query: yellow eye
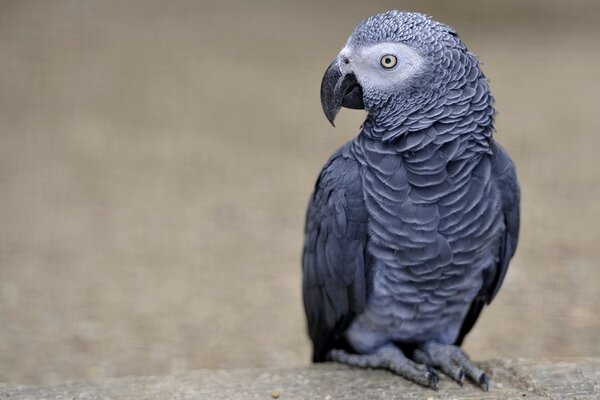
column 388, row 61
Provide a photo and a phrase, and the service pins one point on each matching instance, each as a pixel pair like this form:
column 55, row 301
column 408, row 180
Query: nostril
column 346, row 60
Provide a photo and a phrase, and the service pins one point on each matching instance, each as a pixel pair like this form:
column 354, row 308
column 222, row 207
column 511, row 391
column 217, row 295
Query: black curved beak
column 339, row 90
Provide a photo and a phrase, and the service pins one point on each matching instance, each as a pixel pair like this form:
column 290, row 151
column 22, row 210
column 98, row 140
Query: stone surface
column 511, row 379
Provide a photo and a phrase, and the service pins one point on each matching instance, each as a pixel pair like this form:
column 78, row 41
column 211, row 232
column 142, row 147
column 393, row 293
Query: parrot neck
column 466, row 127
column 429, row 150
column 464, row 105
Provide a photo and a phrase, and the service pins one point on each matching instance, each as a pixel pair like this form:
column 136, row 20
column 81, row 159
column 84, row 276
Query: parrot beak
column 339, row 90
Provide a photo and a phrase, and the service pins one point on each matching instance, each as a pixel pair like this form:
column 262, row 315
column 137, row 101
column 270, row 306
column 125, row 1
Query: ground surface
column 156, row 159
column 524, row 379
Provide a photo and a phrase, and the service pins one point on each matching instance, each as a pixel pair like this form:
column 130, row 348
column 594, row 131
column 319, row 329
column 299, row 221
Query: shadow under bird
column 412, row 224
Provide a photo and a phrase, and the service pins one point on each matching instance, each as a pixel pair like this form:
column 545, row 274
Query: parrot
column 412, row 224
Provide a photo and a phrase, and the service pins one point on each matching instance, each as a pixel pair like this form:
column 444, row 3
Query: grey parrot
column 412, row 224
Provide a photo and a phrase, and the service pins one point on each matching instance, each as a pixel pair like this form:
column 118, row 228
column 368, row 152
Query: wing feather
column 333, row 262
column 505, row 180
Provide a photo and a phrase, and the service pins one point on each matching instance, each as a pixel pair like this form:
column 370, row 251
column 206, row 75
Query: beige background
column 156, row 159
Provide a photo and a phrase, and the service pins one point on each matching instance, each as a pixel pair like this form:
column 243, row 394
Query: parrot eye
column 388, row 61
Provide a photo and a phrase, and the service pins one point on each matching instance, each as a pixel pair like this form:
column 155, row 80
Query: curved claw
column 484, row 382
column 433, row 378
column 460, row 376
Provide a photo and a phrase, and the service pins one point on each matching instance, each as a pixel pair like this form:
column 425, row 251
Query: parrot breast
column 433, row 228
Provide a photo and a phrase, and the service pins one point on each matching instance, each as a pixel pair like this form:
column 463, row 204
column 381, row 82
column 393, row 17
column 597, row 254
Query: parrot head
column 393, row 62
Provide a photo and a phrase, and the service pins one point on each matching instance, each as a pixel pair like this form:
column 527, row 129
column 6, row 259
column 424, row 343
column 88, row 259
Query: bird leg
column 391, row 358
column 452, row 361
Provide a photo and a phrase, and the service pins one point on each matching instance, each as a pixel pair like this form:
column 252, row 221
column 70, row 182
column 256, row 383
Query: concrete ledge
column 511, row 379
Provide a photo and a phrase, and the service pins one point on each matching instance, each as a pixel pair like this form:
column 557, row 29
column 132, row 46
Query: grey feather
column 334, row 269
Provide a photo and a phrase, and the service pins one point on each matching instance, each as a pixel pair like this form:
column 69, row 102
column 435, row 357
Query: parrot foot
column 391, row 358
column 452, row 361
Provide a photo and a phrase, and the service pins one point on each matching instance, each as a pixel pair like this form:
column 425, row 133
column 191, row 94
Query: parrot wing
column 505, row 180
column 334, row 264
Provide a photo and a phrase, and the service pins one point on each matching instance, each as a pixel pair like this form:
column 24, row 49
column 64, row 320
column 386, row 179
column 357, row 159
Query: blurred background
column 156, row 159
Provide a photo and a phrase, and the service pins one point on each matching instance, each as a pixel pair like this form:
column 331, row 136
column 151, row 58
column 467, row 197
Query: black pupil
column 388, row 60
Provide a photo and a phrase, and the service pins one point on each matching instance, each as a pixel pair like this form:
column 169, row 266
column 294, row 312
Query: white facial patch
column 366, row 63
